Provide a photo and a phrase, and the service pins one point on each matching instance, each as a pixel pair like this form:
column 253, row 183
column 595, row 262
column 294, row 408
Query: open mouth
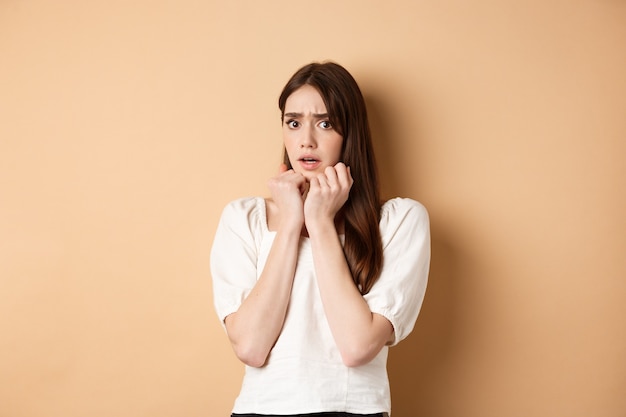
column 309, row 162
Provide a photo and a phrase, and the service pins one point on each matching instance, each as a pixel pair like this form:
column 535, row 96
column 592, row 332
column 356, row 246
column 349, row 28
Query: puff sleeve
column 234, row 255
column 399, row 292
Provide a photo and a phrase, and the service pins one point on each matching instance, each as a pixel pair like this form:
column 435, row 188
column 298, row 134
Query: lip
column 309, row 162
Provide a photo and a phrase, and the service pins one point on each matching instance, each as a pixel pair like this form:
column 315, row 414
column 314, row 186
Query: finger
column 300, row 181
column 330, row 174
column 343, row 174
column 282, row 168
column 304, row 191
column 304, row 188
column 314, row 184
column 322, row 180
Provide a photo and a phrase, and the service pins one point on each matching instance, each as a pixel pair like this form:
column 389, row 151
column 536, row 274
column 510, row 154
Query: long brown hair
column 361, row 213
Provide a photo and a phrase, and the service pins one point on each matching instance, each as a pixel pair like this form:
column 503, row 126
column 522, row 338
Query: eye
column 326, row 124
column 293, row 124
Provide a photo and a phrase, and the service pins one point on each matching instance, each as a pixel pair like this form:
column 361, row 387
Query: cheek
column 289, row 145
column 287, row 140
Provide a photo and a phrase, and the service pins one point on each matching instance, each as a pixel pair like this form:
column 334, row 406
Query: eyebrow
column 315, row 115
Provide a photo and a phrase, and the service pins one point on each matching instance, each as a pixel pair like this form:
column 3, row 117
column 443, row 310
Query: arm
column 359, row 333
column 255, row 326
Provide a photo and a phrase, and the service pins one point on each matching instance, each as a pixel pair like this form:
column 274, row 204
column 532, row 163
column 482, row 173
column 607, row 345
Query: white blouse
column 304, row 372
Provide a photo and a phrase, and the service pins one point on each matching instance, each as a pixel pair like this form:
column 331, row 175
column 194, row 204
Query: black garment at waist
column 312, row 415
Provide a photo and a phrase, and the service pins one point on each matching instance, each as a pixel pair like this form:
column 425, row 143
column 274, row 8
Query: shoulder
column 400, row 207
column 404, row 215
column 246, row 210
column 244, row 203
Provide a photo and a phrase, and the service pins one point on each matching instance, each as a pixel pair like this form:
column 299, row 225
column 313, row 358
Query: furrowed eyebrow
column 315, row 115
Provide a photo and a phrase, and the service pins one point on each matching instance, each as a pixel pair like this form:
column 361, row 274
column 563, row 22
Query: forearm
column 256, row 325
column 358, row 333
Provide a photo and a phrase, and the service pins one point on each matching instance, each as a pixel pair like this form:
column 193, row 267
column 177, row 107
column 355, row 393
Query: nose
column 308, row 140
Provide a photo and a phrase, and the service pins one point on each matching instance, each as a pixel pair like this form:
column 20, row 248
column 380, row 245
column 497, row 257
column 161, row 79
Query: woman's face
column 311, row 141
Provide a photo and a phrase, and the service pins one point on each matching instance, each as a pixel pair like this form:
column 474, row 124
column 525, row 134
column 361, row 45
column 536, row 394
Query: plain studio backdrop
column 125, row 127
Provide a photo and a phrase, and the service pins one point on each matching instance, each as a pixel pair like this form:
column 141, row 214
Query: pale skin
column 305, row 201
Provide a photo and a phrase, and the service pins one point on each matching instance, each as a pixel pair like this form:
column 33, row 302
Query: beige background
column 126, row 126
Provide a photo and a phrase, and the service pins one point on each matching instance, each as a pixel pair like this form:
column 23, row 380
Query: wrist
column 290, row 225
column 320, row 224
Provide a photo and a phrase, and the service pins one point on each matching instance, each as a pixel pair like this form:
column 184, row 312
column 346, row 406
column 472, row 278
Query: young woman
column 314, row 283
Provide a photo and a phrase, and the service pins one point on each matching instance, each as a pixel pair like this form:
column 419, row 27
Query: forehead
column 305, row 99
